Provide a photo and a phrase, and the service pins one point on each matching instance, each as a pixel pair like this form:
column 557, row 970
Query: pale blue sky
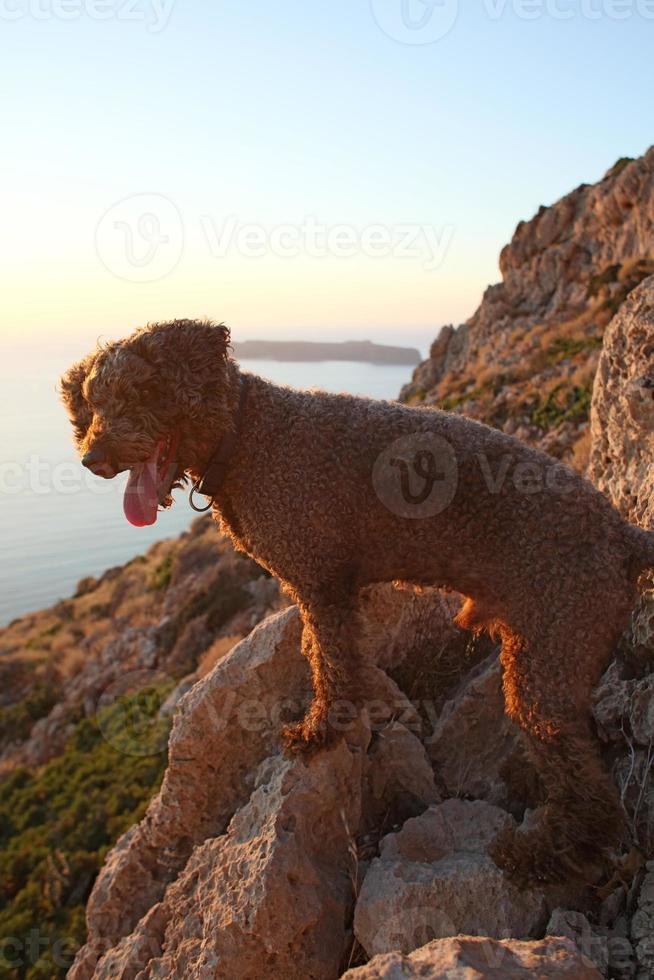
column 275, row 111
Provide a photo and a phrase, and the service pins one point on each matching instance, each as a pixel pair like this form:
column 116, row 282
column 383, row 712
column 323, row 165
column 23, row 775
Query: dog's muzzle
column 99, row 463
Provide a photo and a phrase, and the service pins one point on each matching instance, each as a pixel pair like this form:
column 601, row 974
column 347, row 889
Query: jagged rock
column 270, row 897
column 622, row 428
column 171, row 703
column 642, row 625
column 400, row 778
column 434, row 879
column 593, row 947
column 468, row 957
column 622, row 958
column 232, row 810
column 625, row 707
column 642, row 927
column 225, row 727
column 621, row 464
column 622, row 415
column 613, row 920
column 427, row 375
column 474, row 738
column 632, row 772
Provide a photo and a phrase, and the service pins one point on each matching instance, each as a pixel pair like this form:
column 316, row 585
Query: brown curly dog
column 332, row 493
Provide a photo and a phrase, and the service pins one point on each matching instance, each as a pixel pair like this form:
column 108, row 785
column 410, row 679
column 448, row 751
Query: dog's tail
column 642, row 544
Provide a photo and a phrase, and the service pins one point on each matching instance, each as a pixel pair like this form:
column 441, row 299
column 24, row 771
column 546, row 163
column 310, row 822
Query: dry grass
column 580, row 454
column 219, row 649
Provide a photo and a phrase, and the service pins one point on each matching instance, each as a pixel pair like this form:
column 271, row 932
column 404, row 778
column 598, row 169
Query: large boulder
column 271, row 896
column 474, row 739
column 625, row 705
column 642, row 927
column 224, row 728
column 622, row 465
column 399, row 780
column 468, row 957
column 246, row 863
column 622, row 415
column 592, row 945
column 434, row 878
column 622, row 429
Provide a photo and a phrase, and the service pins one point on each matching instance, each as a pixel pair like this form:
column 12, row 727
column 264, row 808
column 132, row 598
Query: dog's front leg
column 329, row 642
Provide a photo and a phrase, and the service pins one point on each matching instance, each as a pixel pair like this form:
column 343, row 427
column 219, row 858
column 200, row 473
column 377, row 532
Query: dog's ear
column 188, row 356
column 70, row 390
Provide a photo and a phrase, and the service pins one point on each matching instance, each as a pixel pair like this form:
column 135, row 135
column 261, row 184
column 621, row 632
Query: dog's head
column 153, row 404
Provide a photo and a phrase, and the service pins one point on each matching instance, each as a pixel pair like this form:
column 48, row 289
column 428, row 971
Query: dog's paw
column 523, row 780
column 522, row 859
column 298, row 741
column 532, row 859
column 306, row 737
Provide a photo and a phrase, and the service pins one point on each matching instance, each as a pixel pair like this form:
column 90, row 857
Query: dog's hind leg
column 330, row 644
column 548, row 689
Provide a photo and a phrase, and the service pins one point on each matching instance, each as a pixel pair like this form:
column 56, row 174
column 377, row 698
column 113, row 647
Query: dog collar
column 214, row 475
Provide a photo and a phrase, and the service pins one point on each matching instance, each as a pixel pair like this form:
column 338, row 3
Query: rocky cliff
column 526, row 359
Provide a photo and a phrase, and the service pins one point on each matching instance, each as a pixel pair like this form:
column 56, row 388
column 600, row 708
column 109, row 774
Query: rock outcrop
column 269, row 897
column 474, row 741
column 434, row 879
column 466, row 957
column 622, row 416
column 642, row 927
column 622, row 464
column 245, row 863
column 525, row 361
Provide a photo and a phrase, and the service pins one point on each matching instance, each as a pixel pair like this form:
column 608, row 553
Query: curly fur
column 552, row 573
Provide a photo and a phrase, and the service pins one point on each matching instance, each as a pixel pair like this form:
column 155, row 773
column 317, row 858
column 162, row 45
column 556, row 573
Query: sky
column 319, row 169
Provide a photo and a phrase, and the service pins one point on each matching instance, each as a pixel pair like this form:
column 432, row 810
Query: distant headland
column 305, row 350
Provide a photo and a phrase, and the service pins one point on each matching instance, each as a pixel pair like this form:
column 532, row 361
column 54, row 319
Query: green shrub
column 452, row 402
column 619, row 166
column 17, row 719
column 572, row 405
column 56, row 825
column 162, row 574
column 567, row 347
column 417, row 397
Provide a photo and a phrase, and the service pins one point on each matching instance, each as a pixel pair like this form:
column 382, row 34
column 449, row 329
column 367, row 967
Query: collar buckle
column 196, row 488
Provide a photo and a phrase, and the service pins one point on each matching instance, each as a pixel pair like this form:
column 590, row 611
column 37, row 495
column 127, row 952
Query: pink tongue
column 141, row 499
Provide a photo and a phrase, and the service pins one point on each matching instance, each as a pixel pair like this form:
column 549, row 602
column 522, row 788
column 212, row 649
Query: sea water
column 59, row 523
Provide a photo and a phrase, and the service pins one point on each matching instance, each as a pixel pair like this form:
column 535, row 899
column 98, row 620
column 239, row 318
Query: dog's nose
column 97, row 461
